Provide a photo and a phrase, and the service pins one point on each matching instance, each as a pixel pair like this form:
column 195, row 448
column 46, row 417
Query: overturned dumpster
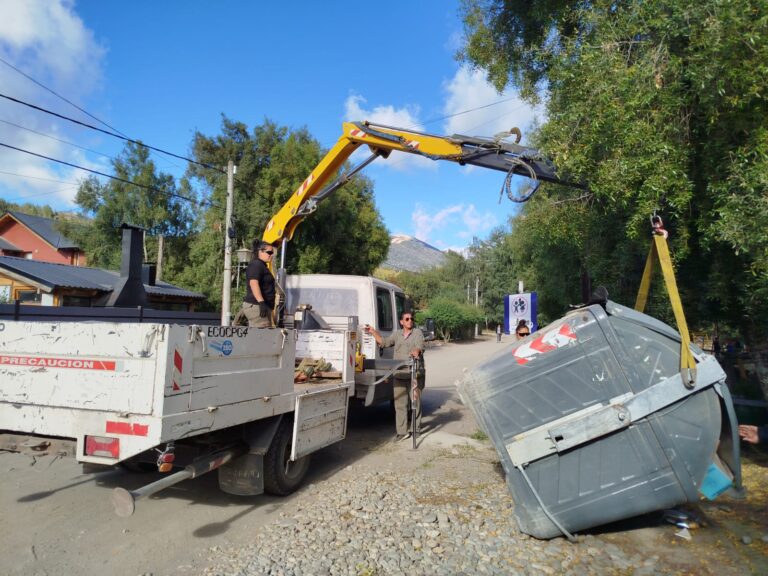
column 594, row 423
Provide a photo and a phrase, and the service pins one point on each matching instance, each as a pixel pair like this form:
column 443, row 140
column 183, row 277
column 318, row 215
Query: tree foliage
column 156, row 204
column 346, row 235
column 656, row 105
column 451, row 317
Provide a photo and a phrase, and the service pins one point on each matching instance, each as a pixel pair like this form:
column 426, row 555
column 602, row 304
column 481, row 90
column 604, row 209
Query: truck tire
column 281, row 476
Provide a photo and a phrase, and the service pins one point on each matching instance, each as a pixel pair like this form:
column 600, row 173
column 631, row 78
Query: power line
column 471, row 110
column 107, row 132
column 151, row 188
column 44, row 87
column 40, row 194
column 27, row 176
column 57, row 139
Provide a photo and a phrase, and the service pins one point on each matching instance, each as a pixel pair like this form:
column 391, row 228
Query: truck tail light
column 102, row 446
column 166, row 458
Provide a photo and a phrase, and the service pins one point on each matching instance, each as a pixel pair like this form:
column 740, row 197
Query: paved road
column 57, row 520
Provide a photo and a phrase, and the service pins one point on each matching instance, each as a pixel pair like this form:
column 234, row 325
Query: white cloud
column 405, row 118
column 465, row 221
column 47, row 41
column 468, row 94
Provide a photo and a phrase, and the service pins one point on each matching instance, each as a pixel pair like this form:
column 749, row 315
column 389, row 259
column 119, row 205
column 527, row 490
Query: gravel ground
column 443, row 511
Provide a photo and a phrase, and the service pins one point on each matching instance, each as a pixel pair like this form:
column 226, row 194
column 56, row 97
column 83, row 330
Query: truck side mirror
column 429, row 329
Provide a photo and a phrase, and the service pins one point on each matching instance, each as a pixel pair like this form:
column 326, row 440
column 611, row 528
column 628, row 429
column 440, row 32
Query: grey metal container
column 594, row 424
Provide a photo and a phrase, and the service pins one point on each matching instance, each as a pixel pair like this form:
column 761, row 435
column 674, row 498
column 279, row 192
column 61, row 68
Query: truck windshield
column 325, row 301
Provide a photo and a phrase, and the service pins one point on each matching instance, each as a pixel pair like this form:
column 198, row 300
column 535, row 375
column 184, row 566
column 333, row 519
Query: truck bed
column 152, row 383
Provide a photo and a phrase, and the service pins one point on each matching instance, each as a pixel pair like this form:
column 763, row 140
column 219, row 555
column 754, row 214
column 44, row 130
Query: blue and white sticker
column 224, row 347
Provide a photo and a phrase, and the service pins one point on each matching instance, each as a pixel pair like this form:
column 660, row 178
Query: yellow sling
column 660, row 249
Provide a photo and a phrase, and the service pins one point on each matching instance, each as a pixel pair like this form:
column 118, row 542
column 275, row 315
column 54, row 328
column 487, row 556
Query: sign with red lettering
column 53, row 362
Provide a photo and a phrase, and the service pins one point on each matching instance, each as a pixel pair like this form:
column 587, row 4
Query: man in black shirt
column 260, row 287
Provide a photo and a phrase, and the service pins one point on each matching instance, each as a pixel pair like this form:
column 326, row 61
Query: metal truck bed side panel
column 85, row 366
column 214, row 366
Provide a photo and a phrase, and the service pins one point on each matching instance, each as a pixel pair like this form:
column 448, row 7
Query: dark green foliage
column 451, row 317
column 654, row 105
column 345, row 236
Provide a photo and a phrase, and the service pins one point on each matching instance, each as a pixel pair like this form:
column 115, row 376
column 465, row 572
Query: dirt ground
column 61, row 516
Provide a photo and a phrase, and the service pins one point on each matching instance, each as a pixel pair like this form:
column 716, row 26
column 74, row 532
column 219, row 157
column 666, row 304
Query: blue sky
column 158, row 71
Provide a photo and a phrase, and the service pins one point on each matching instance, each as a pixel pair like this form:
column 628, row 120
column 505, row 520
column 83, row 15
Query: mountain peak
column 411, row 254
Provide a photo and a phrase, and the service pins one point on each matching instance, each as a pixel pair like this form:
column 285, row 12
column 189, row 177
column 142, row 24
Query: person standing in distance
column 259, row 298
column 408, row 343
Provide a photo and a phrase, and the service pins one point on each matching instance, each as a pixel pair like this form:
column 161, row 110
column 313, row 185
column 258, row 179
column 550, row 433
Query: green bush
column 450, row 317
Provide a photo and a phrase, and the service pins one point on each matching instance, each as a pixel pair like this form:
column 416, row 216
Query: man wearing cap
column 259, row 298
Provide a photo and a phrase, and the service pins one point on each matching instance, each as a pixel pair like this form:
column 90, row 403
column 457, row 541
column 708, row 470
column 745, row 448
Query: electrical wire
column 28, row 177
column 44, row 87
column 151, row 188
column 18, row 198
column 107, row 132
column 57, row 139
column 432, row 120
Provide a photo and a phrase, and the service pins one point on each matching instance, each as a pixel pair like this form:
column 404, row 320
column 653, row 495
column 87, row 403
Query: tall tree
column 659, row 104
column 155, row 203
column 345, row 235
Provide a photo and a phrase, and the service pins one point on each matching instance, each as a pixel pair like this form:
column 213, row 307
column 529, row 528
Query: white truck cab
column 337, row 297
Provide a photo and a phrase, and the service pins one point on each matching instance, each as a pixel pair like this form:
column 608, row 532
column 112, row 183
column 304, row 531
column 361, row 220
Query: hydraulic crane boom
column 494, row 153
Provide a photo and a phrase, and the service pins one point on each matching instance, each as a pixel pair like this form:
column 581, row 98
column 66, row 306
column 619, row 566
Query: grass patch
column 479, row 435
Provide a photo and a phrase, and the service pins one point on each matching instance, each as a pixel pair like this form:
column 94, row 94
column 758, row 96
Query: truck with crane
column 129, row 384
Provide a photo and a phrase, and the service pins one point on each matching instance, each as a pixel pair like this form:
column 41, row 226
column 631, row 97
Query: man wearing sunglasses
column 259, row 298
column 408, row 343
column 522, row 330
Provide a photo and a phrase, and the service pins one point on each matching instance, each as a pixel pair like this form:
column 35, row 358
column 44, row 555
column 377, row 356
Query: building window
column 68, row 300
column 29, row 296
column 171, row 306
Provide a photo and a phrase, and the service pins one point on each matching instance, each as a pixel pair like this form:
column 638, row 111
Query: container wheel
column 281, row 476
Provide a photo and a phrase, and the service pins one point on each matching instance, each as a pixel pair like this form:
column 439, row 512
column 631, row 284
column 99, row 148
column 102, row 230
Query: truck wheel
column 281, row 476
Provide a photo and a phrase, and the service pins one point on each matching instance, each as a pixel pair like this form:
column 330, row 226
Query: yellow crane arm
column 494, row 153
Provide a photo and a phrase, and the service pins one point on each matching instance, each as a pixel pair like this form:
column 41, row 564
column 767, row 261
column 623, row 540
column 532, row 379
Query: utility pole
column 477, row 301
column 226, row 296
column 159, row 270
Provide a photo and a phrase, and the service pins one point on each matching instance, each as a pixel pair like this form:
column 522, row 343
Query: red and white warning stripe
column 550, row 340
column 357, row 133
column 413, row 144
column 305, row 185
column 178, row 367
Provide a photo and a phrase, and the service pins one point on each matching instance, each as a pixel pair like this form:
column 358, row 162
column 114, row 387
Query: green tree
column 452, row 318
column 346, row 235
column 155, row 204
column 653, row 105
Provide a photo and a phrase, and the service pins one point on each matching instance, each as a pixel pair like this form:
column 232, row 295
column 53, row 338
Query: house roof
column 5, row 245
column 53, row 276
column 45, row 228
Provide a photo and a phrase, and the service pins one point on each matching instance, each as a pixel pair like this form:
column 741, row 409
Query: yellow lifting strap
column 660, row 249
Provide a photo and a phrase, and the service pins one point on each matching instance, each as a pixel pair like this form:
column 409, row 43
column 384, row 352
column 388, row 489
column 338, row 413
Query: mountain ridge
column 410, row 254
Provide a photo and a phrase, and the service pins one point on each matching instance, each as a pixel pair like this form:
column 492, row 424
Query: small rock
column 746, row 540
